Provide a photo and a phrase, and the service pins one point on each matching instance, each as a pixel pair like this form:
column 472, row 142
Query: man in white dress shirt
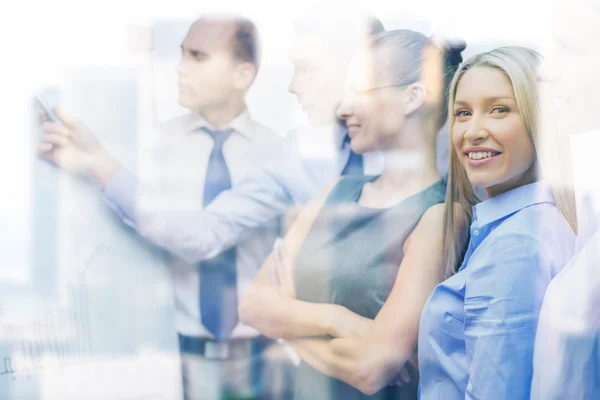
column 197, row 156
column 567, row 349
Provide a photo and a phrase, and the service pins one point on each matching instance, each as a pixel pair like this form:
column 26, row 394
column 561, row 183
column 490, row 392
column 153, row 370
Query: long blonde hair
column 553, row 161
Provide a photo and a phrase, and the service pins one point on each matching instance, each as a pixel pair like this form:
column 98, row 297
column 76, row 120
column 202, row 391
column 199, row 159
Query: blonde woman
column 478, row 327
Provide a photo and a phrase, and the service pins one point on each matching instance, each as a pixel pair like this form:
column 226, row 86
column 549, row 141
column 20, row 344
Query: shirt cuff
column 120, row 193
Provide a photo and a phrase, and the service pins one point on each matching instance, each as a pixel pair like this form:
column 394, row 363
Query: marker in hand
column 48, row 112
column 48, row 115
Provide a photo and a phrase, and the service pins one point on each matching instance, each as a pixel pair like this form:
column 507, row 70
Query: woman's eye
column 462, row 113
column 500, row 110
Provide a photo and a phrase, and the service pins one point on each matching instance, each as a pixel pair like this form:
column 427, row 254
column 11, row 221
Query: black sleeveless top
column 351, row 257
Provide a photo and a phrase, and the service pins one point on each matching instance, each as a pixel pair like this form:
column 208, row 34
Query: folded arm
column 372, row 361
column 281, row 315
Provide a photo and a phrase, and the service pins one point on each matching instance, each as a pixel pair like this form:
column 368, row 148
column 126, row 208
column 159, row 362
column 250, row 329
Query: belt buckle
column 216, row 350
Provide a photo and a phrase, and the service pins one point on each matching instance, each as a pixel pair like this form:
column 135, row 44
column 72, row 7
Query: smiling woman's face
column 489, row 136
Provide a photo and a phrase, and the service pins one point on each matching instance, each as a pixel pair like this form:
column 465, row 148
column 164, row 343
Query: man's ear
column 414, row 98
column 244, row 75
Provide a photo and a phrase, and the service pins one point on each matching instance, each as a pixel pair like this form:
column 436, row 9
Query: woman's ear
column 244, row 75
column 414, row 98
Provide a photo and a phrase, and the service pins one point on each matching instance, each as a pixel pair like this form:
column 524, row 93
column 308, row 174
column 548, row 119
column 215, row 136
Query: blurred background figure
column 198, row 155
column 567, row 353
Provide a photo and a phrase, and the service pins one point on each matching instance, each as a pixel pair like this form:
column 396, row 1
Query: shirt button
column 476, row 232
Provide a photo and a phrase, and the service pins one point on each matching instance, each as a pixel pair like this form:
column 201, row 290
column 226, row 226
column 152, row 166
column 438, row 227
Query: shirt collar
column 508, row 203
column 241, row 124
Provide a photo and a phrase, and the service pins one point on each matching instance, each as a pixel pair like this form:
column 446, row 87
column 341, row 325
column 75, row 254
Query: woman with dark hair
column 347, row 287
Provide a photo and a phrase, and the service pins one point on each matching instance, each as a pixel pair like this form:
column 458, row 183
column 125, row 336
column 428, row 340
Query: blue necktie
column 218, row 276
column 354, row 165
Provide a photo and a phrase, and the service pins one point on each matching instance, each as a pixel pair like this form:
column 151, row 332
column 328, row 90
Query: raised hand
column 72, row 146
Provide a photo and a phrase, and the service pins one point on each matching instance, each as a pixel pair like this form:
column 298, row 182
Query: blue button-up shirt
column 478, row 327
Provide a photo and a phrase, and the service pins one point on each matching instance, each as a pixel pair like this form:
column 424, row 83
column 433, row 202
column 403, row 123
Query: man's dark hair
column 246, row 41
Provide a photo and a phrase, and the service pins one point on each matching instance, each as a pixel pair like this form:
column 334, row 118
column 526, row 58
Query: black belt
column 231, row 349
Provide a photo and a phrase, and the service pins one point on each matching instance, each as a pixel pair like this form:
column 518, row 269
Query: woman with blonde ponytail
column 478, row 327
